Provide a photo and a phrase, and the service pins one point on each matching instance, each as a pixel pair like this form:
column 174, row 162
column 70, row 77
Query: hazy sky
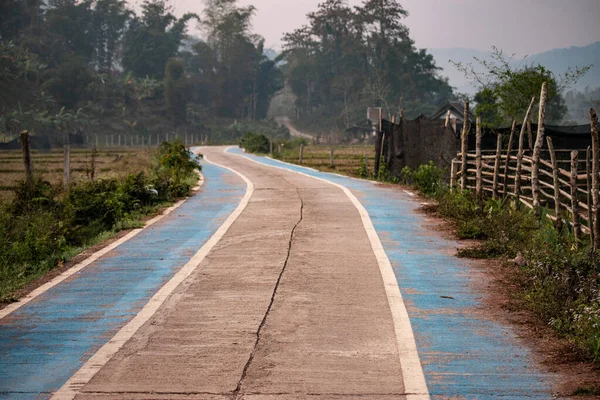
column 516, row 26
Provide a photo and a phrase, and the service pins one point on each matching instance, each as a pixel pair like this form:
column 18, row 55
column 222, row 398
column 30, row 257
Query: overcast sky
column 516, row 26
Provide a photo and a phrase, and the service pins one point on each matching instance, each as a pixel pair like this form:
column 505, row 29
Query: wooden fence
column 566, row 183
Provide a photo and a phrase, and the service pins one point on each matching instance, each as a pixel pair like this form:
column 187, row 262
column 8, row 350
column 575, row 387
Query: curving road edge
column 72, row 387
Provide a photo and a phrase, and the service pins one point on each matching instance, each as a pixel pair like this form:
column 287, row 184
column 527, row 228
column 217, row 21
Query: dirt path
column 285, row 121
column 289, row 304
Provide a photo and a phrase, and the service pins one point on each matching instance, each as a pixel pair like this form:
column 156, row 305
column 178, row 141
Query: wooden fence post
column 26, row 155
column 595, row 183
column 520, row 153
column 539, row 142
column 478, row 165
column 529, row 136
column 93, row 171
column 588, row 181
column 497, row 166
column 301, row 154
column 556, row 183
column 464, row 147
column 331, row 158
column 513, row 128
column 453, row 173
column 574, row 202
column 67, row 162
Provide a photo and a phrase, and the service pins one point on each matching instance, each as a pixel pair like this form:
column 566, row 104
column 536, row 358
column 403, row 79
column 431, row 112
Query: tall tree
column 109, row 23
column 153, row 38
column 346, row 59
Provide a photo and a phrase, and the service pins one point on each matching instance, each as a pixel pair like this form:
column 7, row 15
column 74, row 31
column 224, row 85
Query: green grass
column 44, row 225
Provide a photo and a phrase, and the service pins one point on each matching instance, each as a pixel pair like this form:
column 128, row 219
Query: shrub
column 255, row 143
column 43, row 226
column 427, row 178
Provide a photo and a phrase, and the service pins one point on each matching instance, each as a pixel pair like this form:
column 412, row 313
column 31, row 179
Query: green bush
column 427, row 178
column 255, row 143
column 559, row 278
column 43, row 226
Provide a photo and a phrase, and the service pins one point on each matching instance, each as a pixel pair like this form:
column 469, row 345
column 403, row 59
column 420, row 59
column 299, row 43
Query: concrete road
column 289, row 304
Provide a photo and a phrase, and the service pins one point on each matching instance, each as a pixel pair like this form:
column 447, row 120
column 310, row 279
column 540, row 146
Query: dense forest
column 96, row 66
column 347, row 59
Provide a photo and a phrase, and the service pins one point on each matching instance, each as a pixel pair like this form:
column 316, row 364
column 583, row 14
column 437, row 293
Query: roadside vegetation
column 558, row 278
column 43, row 225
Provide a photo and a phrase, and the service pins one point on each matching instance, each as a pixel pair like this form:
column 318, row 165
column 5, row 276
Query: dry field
column 347, row 159
column 109, row 163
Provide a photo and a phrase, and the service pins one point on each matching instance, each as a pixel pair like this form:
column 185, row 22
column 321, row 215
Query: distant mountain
column 557, row 60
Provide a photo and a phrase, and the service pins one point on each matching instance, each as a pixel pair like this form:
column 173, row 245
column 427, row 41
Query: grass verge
column 45, row 225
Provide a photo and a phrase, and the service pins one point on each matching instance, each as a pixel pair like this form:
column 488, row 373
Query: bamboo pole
column 508, row 150
column 497, row 166
column 574, row 202
column 595, row 183
column 453, row 173
column 588, row 181
column 464, row 147
column 539, row 142
column 478, row 155
column 556, row 183
column 26, row 155
column 520, row 152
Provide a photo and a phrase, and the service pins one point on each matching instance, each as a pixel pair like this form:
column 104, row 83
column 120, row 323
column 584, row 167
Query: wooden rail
column 543, row 179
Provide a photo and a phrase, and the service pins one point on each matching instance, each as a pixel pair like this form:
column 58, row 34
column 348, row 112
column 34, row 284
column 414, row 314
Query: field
column 109, row 163
column 347, row 158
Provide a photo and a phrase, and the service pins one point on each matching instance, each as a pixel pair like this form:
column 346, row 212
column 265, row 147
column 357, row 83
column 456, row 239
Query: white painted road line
column 415, row 385
column 72, row 387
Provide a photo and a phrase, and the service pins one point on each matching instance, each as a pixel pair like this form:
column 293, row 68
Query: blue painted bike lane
column 43, row 343
column 465, row 354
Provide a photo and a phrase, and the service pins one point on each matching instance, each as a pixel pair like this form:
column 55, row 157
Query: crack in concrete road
column 236, row 395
